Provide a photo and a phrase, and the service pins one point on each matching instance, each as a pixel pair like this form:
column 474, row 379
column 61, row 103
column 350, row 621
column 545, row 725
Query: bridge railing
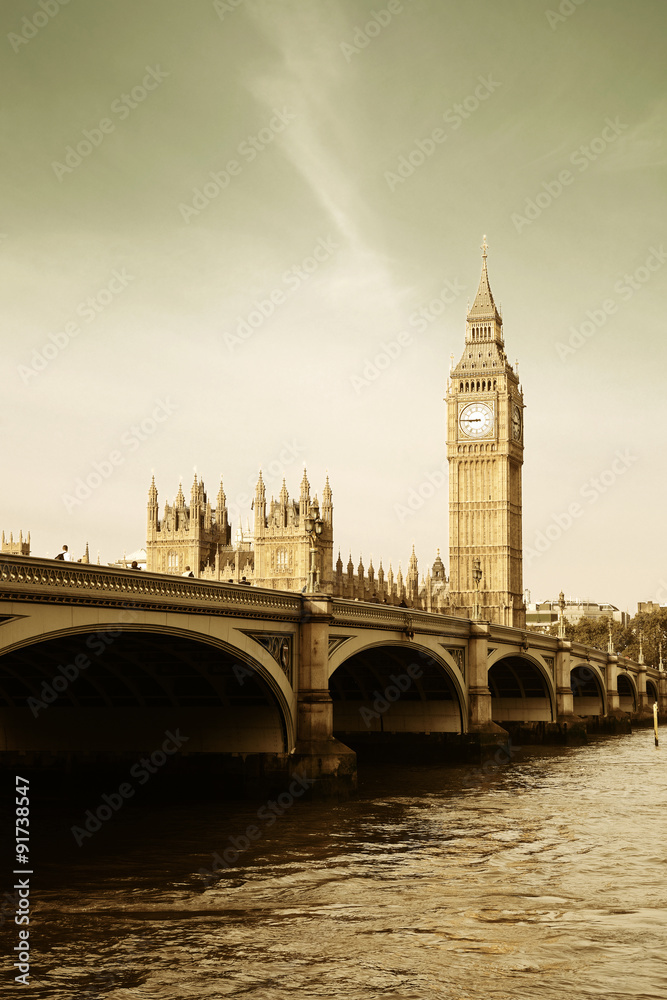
column 50, row 580
column 364, row 614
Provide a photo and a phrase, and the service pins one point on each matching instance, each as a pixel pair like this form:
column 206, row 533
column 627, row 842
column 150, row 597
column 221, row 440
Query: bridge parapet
column 361, row 614
column 53, row 581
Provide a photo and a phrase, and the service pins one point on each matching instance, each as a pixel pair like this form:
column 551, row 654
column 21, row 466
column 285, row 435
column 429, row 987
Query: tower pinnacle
column 484, row 306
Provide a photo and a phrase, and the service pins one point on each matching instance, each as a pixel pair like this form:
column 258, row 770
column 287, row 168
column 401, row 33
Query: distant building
column 18, row 547
column 138, row 557
column 649, row 607
column 545, row 614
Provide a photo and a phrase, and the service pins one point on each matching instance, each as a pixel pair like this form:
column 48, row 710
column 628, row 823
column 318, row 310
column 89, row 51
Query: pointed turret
column 327, row 502
column 283, row 496
column 412, row 579
column 438, row 568
column 180, row 498
column 222, row 517
column 400, row 589
column 86, row 556
column 153, row 515
column 221, row 500
column 304, row 498
column 484, row 308
column 259, row 506
column 484, row 345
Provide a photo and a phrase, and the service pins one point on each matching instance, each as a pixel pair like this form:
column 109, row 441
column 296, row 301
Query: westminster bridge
column 97, row 660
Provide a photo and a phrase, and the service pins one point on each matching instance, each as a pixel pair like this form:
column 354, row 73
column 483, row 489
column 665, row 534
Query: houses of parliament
column 485, row 456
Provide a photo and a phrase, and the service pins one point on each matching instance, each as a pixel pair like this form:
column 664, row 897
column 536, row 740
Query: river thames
column 544, row 877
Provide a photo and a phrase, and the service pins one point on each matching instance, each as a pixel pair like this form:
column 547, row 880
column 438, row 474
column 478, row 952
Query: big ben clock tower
column 485, row 453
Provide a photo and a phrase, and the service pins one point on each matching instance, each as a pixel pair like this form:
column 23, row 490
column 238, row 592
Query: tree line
column 651, row 626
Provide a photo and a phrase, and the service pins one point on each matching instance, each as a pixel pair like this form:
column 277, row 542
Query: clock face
column 476, row 420
column 516, row 423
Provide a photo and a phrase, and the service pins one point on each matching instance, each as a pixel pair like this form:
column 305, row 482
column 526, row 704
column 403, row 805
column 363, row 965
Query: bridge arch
column 115, row 686
column 626, row 686
column 589, row 692
column 651, row 691
column 385, row 685
column 522, row 688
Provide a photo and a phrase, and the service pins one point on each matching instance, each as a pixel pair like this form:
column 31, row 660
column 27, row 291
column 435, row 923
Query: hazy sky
column 216, row 216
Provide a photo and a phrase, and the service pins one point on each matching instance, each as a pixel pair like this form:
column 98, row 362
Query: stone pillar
column 613, row 701
column 479, row 694
column 571, row 728
column 562, row 680
column 331, row 766
column 642, row 697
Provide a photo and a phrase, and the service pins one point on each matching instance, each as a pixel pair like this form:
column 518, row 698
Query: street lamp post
column 477, row 576
column 561, row 619
column 313, row 525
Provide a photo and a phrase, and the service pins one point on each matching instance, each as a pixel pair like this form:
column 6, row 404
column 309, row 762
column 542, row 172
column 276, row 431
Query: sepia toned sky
column 244, row 234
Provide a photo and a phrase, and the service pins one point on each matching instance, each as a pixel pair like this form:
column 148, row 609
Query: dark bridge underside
column 651, row 692
column 586, row 690
column 136, row 685
column 519, row 692
column 389, row 691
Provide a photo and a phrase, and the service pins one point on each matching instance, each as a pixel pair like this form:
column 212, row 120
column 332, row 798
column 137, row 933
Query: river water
column 544, row 877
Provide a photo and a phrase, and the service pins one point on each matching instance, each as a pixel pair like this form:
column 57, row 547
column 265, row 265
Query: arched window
column 461, row 387
column 494, row 383
column 467, row 387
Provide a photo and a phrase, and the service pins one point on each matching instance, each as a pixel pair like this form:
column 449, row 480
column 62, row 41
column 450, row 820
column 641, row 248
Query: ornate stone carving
column 279, row 646
column 458, row 655
column 49, row 581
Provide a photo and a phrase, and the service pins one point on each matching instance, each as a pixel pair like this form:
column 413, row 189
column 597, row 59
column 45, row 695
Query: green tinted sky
column 332, row 109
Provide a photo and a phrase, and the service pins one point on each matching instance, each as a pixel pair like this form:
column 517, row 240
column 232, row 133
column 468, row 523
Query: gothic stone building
column 277, row 554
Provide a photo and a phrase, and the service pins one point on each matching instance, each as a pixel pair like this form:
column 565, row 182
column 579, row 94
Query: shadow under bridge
column 388, row 695
column 119, row 691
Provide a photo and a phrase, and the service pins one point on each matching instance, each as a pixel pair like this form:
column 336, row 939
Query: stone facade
column 277, row 554
column 196, row 535
column 282, row 545
column 485, row 453
column 20, row 547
